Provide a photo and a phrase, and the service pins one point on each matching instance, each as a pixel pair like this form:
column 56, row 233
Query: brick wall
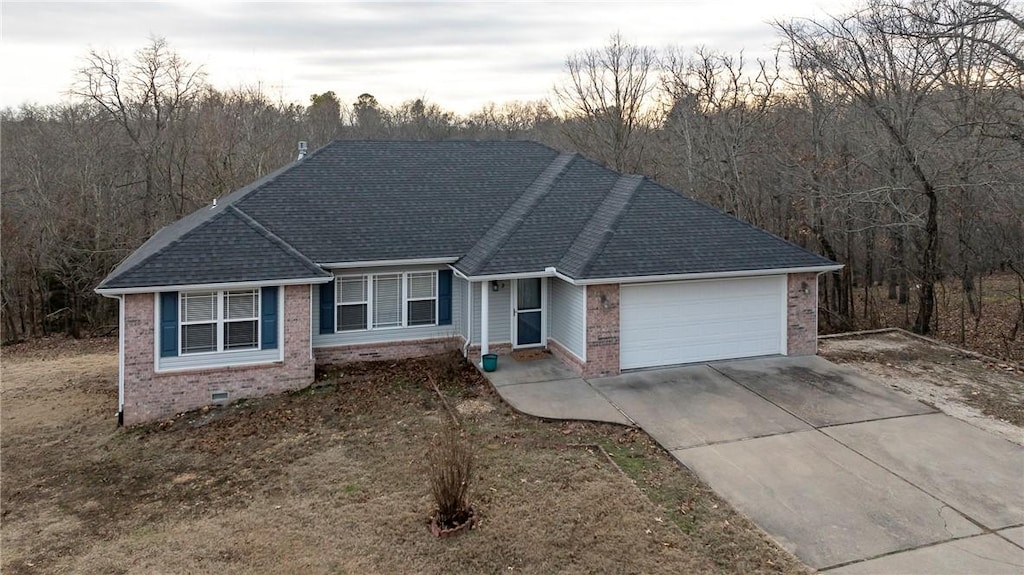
column 602, row 330
column 802, row 314
column 565, row 356
column 495, row 348
column 385, row 350
column 150, row 395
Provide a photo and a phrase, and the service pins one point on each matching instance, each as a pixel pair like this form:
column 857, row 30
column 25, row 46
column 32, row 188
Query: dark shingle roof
column 498, row 207
column 662, row 232
column 227, row 247
column 360, row 201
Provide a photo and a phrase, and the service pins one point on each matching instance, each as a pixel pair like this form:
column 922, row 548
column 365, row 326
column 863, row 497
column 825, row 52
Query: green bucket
column 490, row 361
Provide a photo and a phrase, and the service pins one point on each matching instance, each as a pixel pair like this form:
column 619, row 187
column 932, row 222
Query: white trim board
column 552, row 272
column 385, row 263
column 214, row 286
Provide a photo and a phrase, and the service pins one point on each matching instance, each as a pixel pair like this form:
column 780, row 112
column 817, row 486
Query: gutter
column 109, row 292
column 710, row 275
column 553, row 272
column 383, row 263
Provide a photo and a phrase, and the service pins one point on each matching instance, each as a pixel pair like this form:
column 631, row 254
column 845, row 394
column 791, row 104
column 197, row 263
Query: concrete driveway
column 844, row 472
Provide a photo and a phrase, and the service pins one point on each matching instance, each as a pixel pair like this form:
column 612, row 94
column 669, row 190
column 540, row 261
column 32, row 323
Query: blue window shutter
column 327, row 307
column 168, row 324
column 268, row 318
column 444, row 297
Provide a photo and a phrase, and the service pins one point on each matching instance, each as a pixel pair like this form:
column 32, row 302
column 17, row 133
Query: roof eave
column 110, row 291
column 709, row 275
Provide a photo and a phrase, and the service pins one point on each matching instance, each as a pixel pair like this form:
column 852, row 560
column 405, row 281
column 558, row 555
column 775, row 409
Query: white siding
column 391, row 334
column 500, row 306
column 460, row 291
column 567, row 312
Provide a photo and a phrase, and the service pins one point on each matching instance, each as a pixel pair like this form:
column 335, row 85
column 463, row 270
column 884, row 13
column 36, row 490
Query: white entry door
column 673, row 323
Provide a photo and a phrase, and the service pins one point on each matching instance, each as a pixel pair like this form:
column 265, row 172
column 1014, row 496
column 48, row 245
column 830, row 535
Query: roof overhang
column 214, row 286
column 385, row 263
column 710, row 275
column 553, row 272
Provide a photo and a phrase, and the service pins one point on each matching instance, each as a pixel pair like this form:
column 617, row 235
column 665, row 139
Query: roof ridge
column 262, row 230
column 512, row 218
column 599, row 228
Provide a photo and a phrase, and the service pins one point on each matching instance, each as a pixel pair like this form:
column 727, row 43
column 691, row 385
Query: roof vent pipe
column 302, row 151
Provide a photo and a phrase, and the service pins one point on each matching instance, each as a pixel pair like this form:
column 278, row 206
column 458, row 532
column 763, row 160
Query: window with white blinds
column 385, row 301
column 353, row 302
column 241, row 319
column 219, row 321
column 422, row 300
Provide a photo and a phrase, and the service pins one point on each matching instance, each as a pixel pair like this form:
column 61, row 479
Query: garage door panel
column 686, row 322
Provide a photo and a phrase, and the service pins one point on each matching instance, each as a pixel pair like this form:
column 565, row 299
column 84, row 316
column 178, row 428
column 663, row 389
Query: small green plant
column 451, row 465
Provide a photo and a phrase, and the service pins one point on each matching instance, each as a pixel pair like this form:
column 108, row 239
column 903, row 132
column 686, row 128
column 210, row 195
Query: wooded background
column 890, row 139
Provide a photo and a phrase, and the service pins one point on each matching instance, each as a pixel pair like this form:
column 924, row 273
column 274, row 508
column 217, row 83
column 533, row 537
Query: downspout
column 311, row 355
column 485, row 319
column 469, row 319
column 120, row 356
column 120, row 361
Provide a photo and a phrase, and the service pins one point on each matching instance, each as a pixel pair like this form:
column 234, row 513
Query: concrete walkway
column 547, row 388
column 847, row 474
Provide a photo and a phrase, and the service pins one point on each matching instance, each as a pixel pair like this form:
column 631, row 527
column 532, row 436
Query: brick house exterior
column 151, row 394
column 380, row 251
column 802, row 314
column 602, row 330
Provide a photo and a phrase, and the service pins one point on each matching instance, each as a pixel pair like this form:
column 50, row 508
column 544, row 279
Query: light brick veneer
column 149, row 395
column 495, row 348
column 565, row 356
column 385, row 350
column 602, row 330
column 802, row 314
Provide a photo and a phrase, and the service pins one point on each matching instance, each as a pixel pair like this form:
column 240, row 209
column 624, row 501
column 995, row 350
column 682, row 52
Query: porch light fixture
column 496, row 286
column 804, row 289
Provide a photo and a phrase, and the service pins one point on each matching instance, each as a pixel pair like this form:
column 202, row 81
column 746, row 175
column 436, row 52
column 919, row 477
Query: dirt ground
column 331, row 479
column 987, row 394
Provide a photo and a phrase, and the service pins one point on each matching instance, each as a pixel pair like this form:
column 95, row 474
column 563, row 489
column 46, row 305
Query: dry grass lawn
column 332, row 480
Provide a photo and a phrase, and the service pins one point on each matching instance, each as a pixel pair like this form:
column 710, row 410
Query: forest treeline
column 890, row 139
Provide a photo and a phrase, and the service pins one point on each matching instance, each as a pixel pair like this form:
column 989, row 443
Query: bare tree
column 149, row 97
column 892, row 74
column 606, row 100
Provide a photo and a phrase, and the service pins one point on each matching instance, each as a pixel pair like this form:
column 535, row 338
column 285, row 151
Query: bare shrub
column 451, row 464
column 447, row 366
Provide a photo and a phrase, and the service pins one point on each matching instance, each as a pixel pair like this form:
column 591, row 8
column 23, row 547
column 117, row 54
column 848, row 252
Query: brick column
column 802, row 314
column 602, row 330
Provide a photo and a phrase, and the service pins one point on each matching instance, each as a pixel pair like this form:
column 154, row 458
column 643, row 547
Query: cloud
column 464, row 51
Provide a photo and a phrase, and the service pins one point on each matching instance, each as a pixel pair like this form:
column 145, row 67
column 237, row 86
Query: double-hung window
column 421, row 300
column 353, row 302
column 382, row 301
column 219, row 321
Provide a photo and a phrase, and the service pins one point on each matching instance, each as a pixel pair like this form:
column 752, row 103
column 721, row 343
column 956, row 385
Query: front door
column 528, row 311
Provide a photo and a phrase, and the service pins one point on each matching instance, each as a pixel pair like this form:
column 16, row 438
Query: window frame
column 339, row 302
column 220, row 321
column 408, row 299
column 370, row 303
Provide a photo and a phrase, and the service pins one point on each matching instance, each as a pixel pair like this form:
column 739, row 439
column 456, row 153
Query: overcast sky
column 459, row 55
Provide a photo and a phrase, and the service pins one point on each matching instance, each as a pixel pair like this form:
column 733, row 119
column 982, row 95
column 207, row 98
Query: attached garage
column 671, row 323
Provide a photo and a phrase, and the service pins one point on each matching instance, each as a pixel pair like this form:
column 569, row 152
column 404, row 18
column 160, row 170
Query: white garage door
column 685, row 322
